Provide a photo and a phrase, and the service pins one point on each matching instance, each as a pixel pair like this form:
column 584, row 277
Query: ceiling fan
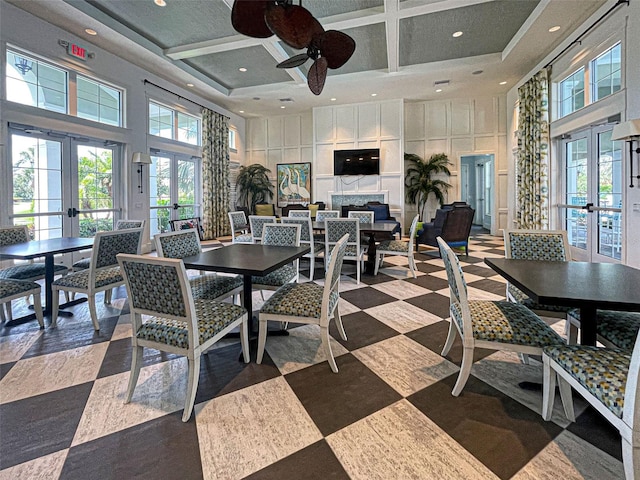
column 295, row 26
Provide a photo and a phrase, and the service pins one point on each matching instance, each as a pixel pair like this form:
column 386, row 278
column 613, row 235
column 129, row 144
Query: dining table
column 47, row 248
column 371, row 229
column 248, row 260
column 588, row 286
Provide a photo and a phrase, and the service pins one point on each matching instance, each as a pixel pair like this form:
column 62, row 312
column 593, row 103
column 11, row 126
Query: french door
column 592, row 208
column 62, row 185
column 173, row 181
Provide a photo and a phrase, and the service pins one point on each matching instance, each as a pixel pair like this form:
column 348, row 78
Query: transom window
column 598, row 79
column 40, row 84
column 166, row 122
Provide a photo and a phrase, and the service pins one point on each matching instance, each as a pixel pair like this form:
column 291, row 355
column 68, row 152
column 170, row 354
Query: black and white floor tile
column 387, row 414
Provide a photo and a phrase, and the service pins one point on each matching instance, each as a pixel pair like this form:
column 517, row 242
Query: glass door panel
column 186, row 189
column 576, row 192
column 160, row 194
column 609, row 196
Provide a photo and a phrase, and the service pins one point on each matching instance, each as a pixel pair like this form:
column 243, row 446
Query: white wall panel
column 460, row 117
column 306, row 154
column 291, row 155
column 259, row 156
column 485, row 143
column 292, row 137
column 458, row 146
column 437, row 120
column 415, row 147
column 391, row 118
column 273, row 158
column 484, row 118
column 257, row 133
column 436, row 146
column 324, row 160
column 368, row 122
column 414, row 116
column 345, row 123
column 323, row 124
column 306, row 128
column 274, row 132
column 391, row 158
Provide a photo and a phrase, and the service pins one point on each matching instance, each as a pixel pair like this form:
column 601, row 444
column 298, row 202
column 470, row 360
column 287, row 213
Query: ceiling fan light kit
column 295, row 26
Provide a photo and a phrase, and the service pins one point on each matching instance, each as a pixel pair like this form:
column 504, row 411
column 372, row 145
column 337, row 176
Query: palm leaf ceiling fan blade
column 294, row 25
column 317, row 75
column 337, row 47
column 248, row 17
column 294, row 61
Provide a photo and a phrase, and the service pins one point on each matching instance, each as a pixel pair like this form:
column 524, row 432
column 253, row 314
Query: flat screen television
column 364, row 161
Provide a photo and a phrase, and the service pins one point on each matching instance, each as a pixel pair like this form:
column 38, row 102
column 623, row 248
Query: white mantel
column 338, row 199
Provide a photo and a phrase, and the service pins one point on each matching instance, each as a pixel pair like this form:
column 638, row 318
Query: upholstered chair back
column 457, row 284
column 300, row 213
column 125, row 224
column 336, row 228
column 257, row 222
column 13, row 235
column 323, row 214
column 548, row 245
column 180, row 244
column 305, row 227
column 238, row 221
column 332, row 276
column 109, row 244
column 363, row 217
column 281, row 235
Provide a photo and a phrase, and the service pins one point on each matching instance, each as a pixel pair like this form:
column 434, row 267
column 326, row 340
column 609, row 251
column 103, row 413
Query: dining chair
column 103, row 272
column 614, row 328
column 238, row 221
column 300, row 213
column 179, row 324
column 363, row 217
column 495, row 325
column 306, row 238
column 257, row 222
column 398, row 247
column 547, row 245
column 29, row 271
column 308, row 303
column 607, row 378
column 13, row 289
column 185, row 243
column 281, row 235
column 335, row 229
column 324, row 214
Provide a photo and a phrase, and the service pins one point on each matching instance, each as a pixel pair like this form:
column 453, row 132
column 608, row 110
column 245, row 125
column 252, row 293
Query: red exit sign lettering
column 77, row 51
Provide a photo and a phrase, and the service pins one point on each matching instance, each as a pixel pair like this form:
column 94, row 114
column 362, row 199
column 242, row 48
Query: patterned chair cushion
column 9, row 288
column 13, row 235
column 506, row 322
column 213, row 317
column 602, row 371
column 125, row 224
column 278, row 277
column 29, row 271
column 537, row 246
column 352, row 251
column 300, row 300
column 619, row 328
column 180, row 245
column 520, row 297
column 394, row 246
column 82, row 264
column 244, row 238
column 104, row 277
column 210, row 287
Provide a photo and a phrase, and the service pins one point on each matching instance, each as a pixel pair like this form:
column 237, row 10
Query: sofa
column 452, row 223
column 381, row 213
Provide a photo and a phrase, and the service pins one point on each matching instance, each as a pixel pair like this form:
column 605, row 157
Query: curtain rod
column 173, row 93
column 577, row 40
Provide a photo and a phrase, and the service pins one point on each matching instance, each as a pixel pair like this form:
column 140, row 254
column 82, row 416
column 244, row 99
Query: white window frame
column 71, row 106
column 174, row 128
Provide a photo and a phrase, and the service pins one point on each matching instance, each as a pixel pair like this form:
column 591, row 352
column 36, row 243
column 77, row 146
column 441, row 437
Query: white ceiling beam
column 392, row 24
column 208, row 47
column 522, row 31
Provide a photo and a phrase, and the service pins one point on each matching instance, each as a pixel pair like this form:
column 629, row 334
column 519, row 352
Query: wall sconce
column 140, row 159
column 629, row 131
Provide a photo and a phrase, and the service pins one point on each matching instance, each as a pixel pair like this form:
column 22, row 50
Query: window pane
column 572, row 93
column 607, row 73
column 160, row 121
column 98, row 102
column 188, row 129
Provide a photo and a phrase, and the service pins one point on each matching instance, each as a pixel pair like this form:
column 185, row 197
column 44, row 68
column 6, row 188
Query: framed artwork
column 294, row 183
column 186, row 224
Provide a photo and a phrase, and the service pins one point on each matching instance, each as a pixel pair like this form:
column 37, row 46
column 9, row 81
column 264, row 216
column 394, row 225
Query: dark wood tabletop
column 588, row 286
column 380, row 227
column 41, row 248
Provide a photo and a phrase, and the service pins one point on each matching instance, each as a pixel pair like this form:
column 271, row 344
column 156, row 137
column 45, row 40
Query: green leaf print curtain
column 532, row 157
column 215, row 174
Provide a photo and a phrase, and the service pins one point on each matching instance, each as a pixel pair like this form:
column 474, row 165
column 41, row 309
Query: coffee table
column 48, row 249
column 587, row 286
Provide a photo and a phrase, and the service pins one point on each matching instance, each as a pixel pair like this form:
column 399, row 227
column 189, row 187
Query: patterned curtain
column 532, row 157
column 215, row 174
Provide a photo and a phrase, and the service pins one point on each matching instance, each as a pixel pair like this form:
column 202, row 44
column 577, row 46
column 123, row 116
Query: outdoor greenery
column 420, row 182
column 253, row 186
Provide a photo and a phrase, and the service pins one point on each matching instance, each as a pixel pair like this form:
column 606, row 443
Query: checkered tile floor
column 388, row 413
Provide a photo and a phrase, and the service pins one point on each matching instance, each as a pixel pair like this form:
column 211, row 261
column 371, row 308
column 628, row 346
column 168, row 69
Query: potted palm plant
column 253, row 186
column 420, row 182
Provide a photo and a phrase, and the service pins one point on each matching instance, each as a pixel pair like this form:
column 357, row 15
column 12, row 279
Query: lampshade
column 626, row 130
column 140, row 157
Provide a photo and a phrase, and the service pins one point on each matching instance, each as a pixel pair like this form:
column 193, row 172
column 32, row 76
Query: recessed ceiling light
column 503, row 83
column 374, row 94
column 457, row 34
column 438, row 90
column 90, row 31
column 554, row 29
column 241, row 111
column 333, row 99
column 282, row 106
column 242, row 69
column 160, row 3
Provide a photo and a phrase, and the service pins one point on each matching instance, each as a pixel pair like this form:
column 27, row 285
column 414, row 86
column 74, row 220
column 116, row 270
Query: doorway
column 477, row 186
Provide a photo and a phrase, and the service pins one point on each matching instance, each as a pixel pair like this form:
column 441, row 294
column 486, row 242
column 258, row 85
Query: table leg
column 248, row 300
column 48, row 281
column 370, row 264
column 588, row 335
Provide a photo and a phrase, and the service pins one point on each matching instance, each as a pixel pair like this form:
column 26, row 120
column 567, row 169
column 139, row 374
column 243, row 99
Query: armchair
column 453, row 225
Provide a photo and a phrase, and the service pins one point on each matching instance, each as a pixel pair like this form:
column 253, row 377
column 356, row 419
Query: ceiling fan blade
column 317, row 76
column 294, row 25
column 247, row 17
column 337, row 47
column 294, row 61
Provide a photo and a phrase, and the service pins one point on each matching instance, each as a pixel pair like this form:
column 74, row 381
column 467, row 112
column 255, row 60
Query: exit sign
column 77, row 51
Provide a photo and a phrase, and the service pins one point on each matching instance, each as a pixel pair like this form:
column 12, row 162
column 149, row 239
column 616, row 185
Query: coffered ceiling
column 404, row 48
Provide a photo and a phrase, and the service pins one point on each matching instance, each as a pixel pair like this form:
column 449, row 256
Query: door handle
column 588, row 207
column 72, row 212
column 176, row 206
